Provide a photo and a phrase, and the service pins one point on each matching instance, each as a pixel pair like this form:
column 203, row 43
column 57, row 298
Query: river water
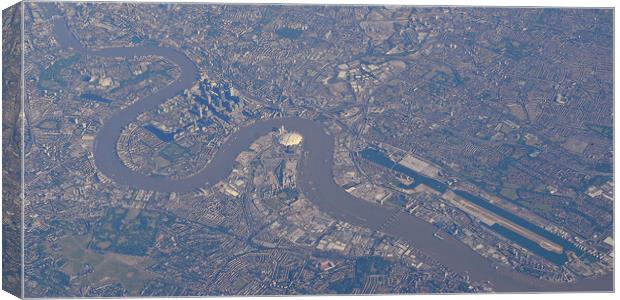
column 315, row 178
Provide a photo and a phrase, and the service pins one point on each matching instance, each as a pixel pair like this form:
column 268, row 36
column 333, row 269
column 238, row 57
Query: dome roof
column 291, row 139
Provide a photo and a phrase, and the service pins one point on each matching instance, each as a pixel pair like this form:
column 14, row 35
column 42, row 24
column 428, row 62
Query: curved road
column 315, row 176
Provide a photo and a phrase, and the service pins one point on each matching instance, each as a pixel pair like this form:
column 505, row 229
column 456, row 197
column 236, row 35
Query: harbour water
column 380, row 158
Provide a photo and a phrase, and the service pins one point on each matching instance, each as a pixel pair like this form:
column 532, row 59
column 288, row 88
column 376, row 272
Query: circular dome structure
column 291, row 139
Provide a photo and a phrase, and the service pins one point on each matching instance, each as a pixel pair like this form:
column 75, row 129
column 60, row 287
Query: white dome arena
column 291, row 139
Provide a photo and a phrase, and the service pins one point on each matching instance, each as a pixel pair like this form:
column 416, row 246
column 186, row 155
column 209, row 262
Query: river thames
column 315, row 178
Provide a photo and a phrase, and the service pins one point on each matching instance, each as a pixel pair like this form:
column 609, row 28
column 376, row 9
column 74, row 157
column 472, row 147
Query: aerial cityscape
column 168, row 149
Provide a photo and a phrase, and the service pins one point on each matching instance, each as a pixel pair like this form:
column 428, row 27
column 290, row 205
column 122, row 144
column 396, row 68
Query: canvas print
column 196, row 149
